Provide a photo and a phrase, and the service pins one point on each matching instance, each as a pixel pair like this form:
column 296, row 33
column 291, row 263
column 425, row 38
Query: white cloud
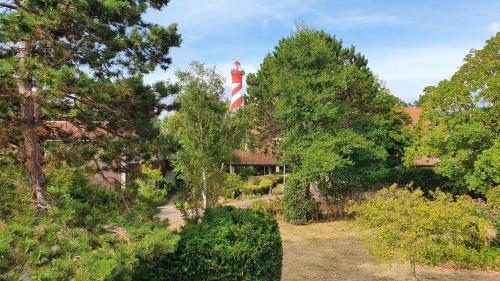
column 199, row 19
column 354, row 19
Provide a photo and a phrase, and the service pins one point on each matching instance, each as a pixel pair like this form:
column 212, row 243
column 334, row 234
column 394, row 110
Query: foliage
column 255, row 185
column 460, row 126
column 15, row 199
column 261, row 184
column 152, row 186
column 201, row 127
column 88, row 234
column 424, row 178
column 273, row 207
column 299, row 207
column 493, row 197
column 350, row 136
column 246, row 172
column 233, row 184
column 403, row 224
column 81, row 62
column 228, row 244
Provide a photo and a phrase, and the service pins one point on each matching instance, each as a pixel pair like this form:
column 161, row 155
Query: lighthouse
column 237, row 85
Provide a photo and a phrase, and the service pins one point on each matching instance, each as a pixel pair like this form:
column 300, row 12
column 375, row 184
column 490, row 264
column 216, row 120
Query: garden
column 90, row 154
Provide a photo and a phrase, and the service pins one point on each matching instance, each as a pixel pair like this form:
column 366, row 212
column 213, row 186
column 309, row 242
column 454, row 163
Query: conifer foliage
column 79, row 61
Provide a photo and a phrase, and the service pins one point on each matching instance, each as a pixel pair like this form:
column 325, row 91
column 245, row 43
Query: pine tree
column 78, row 61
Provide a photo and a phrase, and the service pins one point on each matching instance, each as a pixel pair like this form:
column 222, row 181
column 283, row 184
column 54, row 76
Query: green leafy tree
column 460, row 123
column 202, row 128
column 78, row 61
column 406, row 225
column 336, row 123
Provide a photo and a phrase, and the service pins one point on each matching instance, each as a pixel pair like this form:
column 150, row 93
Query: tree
column 460, row 123
column 402, row 224
column 335, row 121
column 78, row 61
column 202, row 128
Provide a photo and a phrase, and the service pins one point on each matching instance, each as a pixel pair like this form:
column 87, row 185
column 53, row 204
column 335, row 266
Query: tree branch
column 69, row 54
column 8, row 6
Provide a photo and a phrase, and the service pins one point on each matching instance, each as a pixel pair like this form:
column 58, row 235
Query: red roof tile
column 241, row 157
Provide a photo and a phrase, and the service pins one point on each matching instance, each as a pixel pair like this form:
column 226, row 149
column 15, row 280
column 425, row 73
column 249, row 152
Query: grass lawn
column 333, row 251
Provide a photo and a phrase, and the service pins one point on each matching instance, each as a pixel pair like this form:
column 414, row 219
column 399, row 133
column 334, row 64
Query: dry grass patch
column 333, row 251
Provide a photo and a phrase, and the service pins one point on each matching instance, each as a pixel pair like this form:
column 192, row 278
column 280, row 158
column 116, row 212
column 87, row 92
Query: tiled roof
column 241, row 157
column 414, row 113
column 59, row 129
column 426, row 161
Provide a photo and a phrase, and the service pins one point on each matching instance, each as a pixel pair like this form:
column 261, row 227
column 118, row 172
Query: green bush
column 233, row 185
column 273, row 207
column 299, row 207
column 229, row 244
column 14, row 194
column 90, row 233
column 246, row 172
column 426, row 179
column 148, row 183
column 261, row 184
column 493, row 197
column 404, row 224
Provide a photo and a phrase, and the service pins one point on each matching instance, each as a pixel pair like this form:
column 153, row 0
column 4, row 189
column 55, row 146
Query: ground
column 333, row 251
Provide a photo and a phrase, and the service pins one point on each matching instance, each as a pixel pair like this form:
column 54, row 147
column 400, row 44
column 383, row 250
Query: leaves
column 460, row 122
column 334, row 121
column 202, row 128
column 405, row 225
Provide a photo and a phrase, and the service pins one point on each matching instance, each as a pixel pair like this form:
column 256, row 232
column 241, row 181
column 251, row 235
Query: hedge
column 228, row 244
column 253, row 185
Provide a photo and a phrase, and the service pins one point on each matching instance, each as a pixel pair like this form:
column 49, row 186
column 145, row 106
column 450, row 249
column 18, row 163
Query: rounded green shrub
column 261, row 184
column 228, row 244
column 299, row 207
column 233, row 185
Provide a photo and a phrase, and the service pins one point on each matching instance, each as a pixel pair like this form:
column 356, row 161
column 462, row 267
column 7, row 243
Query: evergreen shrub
column 299, row 207
column 228, row 244
column 90, row 232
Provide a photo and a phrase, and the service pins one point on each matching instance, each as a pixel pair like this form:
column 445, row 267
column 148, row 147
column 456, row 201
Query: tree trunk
column 30, row 116
column 204, row 192
column 413, row 271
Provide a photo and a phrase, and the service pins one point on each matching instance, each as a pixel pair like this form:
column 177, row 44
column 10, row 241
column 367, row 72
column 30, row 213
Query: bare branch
column 8, row 6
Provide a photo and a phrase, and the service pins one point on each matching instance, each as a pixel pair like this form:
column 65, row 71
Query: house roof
column 241, row 157
column 71, row 130
column 414, row 113
column 257, row 158
column 426, row 161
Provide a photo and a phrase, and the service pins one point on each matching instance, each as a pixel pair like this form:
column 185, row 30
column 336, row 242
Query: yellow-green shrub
column 233, row 185
column 261, row 184
column 272, row 207
column 402, row 224
column 493, row 197
column 148, row 183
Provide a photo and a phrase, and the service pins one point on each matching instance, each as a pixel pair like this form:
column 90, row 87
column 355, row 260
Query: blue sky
column 408, row 44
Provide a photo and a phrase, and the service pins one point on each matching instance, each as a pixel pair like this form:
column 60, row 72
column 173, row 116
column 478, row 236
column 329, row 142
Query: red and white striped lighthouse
column 237, row 92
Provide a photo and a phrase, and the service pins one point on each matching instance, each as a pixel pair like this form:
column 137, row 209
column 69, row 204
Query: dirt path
column 332, row 251
column 171, row 213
